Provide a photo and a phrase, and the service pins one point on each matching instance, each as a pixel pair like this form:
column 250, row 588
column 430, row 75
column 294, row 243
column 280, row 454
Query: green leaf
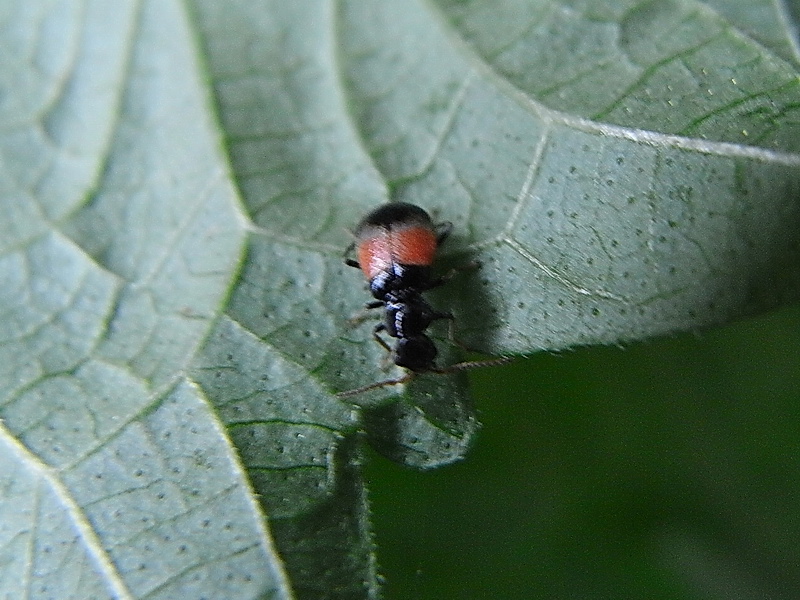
column 119, row 244
column 178, row 183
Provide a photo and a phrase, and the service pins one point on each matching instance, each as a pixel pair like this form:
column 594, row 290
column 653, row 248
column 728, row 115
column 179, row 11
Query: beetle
column 396, row 246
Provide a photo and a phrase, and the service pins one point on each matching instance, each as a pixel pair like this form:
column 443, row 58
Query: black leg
column 378, row 328
column 349, row 261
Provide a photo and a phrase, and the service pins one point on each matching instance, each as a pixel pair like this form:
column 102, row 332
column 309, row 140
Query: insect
column 396, row 245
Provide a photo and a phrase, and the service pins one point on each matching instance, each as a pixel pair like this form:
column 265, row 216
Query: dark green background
column 667, row 470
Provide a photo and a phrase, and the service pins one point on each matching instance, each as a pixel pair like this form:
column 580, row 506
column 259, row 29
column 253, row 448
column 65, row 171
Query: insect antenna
column 456, row 368
column 374, row 386
column 472, row 364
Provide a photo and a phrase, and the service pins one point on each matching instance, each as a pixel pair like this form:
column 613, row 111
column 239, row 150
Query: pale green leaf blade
column 292, row 150
column 117, row 254
column 677, row 67
column 619, row 170
column 588, row 231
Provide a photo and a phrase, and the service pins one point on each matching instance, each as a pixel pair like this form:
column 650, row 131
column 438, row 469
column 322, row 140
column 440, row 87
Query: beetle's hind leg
column 378, row 328
column 388, row 358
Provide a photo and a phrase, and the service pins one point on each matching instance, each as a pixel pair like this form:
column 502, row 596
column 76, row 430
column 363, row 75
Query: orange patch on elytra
column 375, row 255
column 399, row 245
column 413, row 246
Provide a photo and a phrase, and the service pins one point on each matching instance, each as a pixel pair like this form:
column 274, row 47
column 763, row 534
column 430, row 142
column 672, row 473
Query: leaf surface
column 178, row 185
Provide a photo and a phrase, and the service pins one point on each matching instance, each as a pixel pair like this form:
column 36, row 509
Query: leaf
column 117, row 251
column 169, row 355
